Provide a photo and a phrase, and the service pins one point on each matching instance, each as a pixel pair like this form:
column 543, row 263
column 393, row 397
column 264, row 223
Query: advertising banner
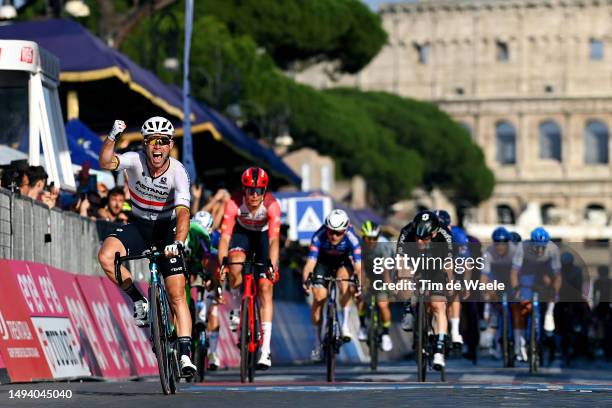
column 94, row 350
column 107, row 324
column 137, row 338
column 50, row 319
column 19, row 346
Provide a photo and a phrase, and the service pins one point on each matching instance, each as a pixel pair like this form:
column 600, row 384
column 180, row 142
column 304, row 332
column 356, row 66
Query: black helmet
column 425, row 224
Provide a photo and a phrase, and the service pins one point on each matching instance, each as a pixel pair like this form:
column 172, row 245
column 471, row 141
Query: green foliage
column 295, row 30
column 337, row 126
column 452, row 160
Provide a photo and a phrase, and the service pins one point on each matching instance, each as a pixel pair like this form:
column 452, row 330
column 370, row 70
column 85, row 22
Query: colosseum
column 530, row 80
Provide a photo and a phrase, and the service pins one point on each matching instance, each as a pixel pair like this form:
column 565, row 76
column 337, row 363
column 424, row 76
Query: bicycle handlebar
column 150, row 254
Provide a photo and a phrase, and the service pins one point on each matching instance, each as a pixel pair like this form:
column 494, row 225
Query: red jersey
column 265, row 217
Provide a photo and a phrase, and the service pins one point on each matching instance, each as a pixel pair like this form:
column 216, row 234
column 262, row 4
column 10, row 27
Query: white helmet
column 205, row 219
column 337, row 220
column 157, row 125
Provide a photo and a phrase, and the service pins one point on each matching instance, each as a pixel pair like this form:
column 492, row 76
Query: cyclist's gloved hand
column 275, row 275
column 117, row 130
column 357, row 286
column 307, row 283
column 173, row 249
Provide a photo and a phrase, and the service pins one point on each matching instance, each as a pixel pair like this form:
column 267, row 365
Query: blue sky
column 375, row 3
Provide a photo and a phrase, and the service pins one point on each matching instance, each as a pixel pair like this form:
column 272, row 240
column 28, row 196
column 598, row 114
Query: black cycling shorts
column 325, row 269
column 251, row 242
column 139, row 235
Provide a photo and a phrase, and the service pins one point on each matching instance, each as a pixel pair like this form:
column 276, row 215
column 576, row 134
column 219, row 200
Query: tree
column 297, row 31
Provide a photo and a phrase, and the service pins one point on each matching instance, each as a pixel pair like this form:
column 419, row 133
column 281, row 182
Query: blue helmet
column 459, row 236
column 540, row 236
column 515, row 237
column 500, row 234
column 567, row 258
column 444, row 218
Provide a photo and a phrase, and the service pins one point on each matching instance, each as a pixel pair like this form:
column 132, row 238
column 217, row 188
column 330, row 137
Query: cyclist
column 334, row 246
column 251, row 222
column 201, row 261
column 536, row 266
column 380, row 247
column 160, row 197
column 460, row 250
column 497, row 266
column 431, row 242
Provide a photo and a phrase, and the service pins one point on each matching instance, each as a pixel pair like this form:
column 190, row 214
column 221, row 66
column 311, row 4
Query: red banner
column 137, row 338
column 107, row 324
column 19, row 346
column 94, row 350
column 50, row 318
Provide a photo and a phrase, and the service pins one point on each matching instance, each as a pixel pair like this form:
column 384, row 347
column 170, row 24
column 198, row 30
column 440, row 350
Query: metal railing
column 30, row 231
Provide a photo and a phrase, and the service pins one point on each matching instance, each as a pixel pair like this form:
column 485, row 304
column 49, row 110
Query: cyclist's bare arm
column 182, row 223
column 357, row 269
column 227, row 227
column 108, row 160
column 274, row 213
column 308, row 268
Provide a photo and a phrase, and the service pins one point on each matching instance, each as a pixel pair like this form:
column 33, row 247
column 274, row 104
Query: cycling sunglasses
column 335, row 233
column 158, row 140
column 253, row 190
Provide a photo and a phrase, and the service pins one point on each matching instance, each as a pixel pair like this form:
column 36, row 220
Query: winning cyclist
column 381, row 248
column 251, row 222
column 430, row 241
column 334, row 246
column 159, row 190
column 536, row 266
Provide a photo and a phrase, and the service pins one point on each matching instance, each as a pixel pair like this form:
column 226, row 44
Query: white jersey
column 155, row 198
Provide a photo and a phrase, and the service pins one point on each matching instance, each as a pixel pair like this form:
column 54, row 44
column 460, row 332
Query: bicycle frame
column 253, row 334
column 160, row 332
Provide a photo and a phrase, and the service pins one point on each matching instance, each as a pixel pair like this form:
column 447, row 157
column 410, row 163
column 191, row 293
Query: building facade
column 531, row 81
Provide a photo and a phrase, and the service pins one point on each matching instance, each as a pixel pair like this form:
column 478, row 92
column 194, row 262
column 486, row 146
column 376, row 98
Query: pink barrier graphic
column 107, row 324
column 94, row 350
column 19, row 345
column 227, row 348
column 137, row 338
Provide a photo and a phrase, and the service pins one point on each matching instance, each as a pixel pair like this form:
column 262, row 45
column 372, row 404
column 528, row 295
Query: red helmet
column 255, row 177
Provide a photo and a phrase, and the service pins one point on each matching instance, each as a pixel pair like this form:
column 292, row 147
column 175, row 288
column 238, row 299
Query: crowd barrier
column 30, row 231
column 57, row 325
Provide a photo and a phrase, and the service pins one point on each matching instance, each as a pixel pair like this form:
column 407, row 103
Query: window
column 548, row 214
column 595, row 214
column 305, row 177
column 14, row 112
column 502, row 51
column 550, row 141
column 325, row 179
column 505, row 136
column 596, row 49
column 423, row 52
column 596, row 143
column 505, row 214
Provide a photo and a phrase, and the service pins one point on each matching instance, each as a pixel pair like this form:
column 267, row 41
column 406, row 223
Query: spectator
column 38, row 188
column 15, row 177
column 113, row 210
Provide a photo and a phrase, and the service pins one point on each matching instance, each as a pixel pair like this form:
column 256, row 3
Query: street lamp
column 7, row 11
column 77, row 8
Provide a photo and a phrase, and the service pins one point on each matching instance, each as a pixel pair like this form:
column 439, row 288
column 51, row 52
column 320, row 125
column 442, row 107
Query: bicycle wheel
column 255, row 334
column 244, row 341
column 160, row 343
column 533, row 342
column 421, row 338
column 330, row 343
column 373, row 339
column 505, row 336
column 199, row 357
